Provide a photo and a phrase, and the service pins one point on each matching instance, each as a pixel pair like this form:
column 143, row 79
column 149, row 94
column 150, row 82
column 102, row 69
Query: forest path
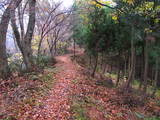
column 77, row 96
column 57, row 104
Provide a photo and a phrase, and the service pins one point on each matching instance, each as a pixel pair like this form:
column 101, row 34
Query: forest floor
column 75, row 96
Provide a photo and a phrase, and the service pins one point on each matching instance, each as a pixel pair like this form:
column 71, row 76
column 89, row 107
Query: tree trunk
column 105, row 68
column 90, row 62
column 119, row 71
column 156, row 77
column 102, row 60
column 130, row 77
column 27, row 50
column 134, row 67
column 145, row 76
column 118, row 77
column 55, row 47
column 125, row 66
column 3, row 32
column 129, row 64
column 25, row 44
column 74, row 48
column 142, row 69
column 95, row 66
column 39, row 46
column 111, row 68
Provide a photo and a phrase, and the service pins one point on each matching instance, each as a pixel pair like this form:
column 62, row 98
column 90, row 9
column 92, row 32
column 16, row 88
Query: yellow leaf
column 147, row 30
column 157, row 20
column 129, row 1
column 106, row 2
column 115, row 18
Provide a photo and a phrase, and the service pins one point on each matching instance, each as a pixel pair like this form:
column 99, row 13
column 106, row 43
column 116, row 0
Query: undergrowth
column 26, row 93
column 133, row 100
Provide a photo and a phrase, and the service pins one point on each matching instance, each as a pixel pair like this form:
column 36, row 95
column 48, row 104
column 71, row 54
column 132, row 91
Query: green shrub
column 42, row 60
column 15, row 61
column 15, row 65
column 79, row 111
column 153, row 118
column 10, row 118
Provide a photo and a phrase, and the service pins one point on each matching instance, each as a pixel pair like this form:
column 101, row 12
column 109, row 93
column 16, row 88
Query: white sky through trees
column 66, row 3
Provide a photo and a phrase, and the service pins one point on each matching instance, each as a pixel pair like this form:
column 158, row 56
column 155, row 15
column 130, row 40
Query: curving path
column 57, row 104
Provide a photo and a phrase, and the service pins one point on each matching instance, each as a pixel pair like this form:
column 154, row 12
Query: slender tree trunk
column 129, row 65
column 125, row 67
column 74, row 48
column 111, row 68
column 55, row 47
column 151, row 75
column 3, row 32
column 102, row 60
column 95, row 66
column 134, row 67
column 130, row 78
column 145, row 77
column 105, row 67
column 156, row 78
column 39, row 46
column 119, row 71
column 118, row 77
column 142, row 69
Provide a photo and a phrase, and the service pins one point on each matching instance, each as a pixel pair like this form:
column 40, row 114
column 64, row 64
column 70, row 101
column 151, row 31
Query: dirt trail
column 57, row 104
column 72, row 86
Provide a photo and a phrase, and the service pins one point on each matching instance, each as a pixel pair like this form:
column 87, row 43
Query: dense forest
column 127, row 32
column 94, row 60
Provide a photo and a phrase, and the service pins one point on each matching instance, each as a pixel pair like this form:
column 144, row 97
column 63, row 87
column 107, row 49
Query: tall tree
column 3, row 32
column 24, row 40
